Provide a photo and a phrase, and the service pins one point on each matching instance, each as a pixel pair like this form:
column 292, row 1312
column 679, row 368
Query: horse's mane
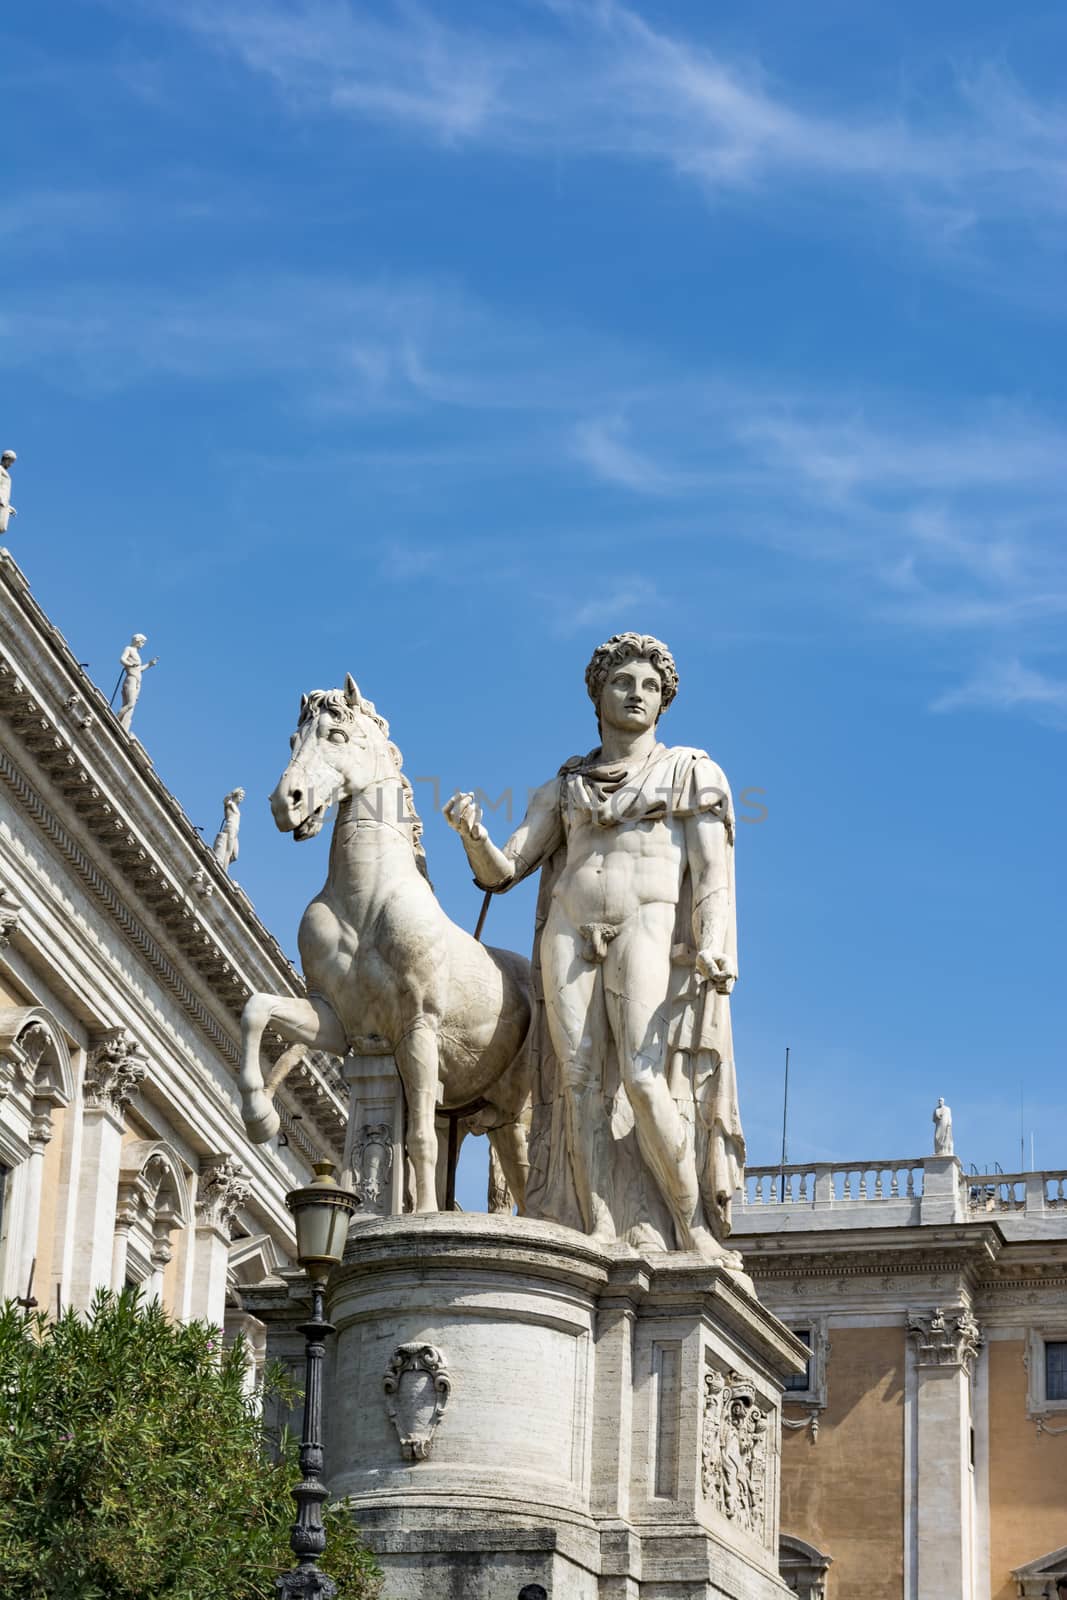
column 335, row 704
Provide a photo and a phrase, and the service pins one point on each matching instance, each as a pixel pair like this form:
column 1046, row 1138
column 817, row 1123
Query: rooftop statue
column 942, row 1129
column 381, row 958
column 133, row 669
column 225, row 848
column 636, row 1132
column 7, row 510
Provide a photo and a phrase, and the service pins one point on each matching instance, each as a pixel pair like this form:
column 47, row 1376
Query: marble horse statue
column 381, row 958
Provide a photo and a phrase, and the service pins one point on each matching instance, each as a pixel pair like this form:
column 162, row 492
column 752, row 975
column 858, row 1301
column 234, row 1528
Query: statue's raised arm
column 533, row 842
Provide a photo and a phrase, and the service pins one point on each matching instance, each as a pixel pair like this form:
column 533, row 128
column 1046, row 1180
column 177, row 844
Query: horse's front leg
column 312, row 1023
column 417, row 1063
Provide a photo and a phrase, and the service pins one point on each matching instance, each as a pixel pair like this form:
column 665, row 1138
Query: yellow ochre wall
column 1027, row 1473
column 844, row 1493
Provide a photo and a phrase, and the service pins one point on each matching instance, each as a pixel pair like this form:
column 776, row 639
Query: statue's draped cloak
column 681, row 783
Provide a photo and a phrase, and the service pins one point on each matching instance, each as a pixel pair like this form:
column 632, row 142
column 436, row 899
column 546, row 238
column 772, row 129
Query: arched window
column 153, row 1200
column 35, row 1079
column 803, row 1568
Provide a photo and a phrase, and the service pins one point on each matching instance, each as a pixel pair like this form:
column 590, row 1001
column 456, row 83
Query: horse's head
column 337, row 751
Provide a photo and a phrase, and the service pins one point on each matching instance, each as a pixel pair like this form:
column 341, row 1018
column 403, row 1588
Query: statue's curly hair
column 623, row 647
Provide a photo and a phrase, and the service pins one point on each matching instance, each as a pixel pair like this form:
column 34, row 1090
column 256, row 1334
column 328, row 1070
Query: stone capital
column 10, row 912
column 221, row 1191
column 40, row 1126
column 945, row 1338
column 116, row 1068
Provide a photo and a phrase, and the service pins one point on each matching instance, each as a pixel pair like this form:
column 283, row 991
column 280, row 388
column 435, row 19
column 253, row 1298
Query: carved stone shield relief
column 417, row 1387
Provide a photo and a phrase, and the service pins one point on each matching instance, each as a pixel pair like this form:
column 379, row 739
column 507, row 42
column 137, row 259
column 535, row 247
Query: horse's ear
column 303, row 707
column 352, row 694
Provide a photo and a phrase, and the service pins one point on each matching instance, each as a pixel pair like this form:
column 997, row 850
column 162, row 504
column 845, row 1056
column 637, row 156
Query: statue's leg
column 578, row 1026
column 509, row 1146
column 636, row 985
column 418, row 1065
column 312, row 1023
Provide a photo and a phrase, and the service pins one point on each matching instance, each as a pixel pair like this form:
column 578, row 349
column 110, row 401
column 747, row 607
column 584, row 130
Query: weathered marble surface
column 584, row 1441
column 636, row 1132
column 381, row 959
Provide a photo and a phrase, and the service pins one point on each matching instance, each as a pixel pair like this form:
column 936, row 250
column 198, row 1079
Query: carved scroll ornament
column 417, row 1386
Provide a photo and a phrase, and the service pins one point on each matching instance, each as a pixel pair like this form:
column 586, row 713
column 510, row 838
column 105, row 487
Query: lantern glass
column 321, row 1213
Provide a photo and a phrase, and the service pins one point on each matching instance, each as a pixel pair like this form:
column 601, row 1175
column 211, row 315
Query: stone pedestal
column 515, row 1404
column 374, row 1147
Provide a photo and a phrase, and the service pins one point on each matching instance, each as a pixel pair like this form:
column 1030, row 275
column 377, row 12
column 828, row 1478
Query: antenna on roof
column 785, row 1121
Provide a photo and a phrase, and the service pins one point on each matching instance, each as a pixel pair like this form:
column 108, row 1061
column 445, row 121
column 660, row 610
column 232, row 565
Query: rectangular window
column 800, row 1382
column 1056, row 1369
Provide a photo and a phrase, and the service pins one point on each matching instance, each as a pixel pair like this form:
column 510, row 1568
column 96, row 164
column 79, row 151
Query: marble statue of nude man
column 636, row 951
column 133, row 670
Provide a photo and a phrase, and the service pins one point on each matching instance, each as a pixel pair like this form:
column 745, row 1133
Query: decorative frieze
column 221, row 1192
column 734, row 1451
column 417, row 1386
column 945, row 1338
column 116, row 1068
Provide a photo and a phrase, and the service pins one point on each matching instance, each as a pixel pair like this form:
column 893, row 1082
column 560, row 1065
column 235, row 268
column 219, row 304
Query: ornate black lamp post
column 321, row 1212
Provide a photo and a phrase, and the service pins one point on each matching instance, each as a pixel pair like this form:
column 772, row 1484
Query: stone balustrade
column 821, row 1182
column 1028, row 1193
column 901, row 1192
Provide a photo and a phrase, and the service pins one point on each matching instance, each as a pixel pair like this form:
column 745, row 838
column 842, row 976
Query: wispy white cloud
column 940, row 517
column 600, row 443
column 629, row 595
column 1010, row 686
column 596, row 77
column 393, row 64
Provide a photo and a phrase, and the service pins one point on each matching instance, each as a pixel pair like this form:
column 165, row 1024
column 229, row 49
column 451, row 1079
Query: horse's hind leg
column 509, row 1143
column 312, row 1023
column 417, row 1063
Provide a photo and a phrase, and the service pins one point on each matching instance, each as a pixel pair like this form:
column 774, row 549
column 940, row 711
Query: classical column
column 114, row 1071
column 40, row 1134
column 128, row 1206
column 163, row 1224
column 947, row 1341
column 221, row 1191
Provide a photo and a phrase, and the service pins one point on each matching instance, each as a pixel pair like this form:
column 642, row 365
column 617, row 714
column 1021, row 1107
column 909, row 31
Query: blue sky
column 437, row 342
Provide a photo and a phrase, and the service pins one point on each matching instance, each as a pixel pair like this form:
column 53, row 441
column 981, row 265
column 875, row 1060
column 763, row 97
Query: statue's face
column 632, row 697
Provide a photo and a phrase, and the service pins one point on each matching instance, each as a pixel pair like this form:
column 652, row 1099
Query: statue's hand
column 464, row 814
column 716, row 970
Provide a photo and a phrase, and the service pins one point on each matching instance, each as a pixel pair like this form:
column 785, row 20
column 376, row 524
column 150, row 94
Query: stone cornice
column 969, row 1249
column 157, row 858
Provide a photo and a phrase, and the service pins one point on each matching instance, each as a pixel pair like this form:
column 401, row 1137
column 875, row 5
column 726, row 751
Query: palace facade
column 126, row 956
column 924, row 1452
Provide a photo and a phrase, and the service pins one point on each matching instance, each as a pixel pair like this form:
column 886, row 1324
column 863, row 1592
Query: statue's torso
column 610, row 872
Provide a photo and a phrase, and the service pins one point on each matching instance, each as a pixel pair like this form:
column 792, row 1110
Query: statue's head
column 7, row 458
column 631, row 680
column 239, row 796
column 138, row 640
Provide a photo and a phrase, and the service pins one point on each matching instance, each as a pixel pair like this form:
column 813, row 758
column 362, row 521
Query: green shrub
column 133, row 1466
